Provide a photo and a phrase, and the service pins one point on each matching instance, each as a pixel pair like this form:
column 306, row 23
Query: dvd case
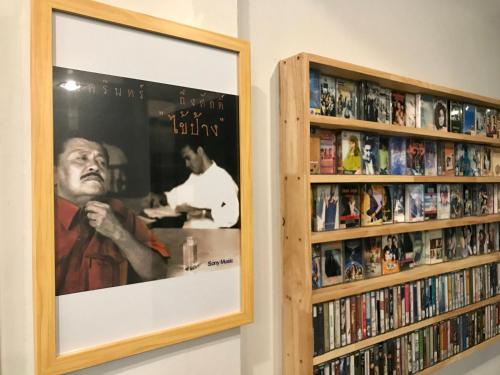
column 370, row 155
column 397, row 152
column 410, row 110
column 496, row 206
column 346, row 98
column 327, row 95
column 475, row 159
column 385, row 107
column 486, row 199
column 398, row 108
column 450, row 243
column 456, row 202
column 415, row 157
column 467, row 199
column 486, row 169
column 369, row 101
column 391, row 250
column 492, row 233
column 383, row 155
column 328, row 152
column 349, row 206
column 431, row 168
column 456, row 117
column 443, row 204
column 314, row 92
column 440, row 114
column 470, row 240
column 495, row 161
column 463, row 163
column 426, row 110
column 461, row 249
column 353, row 260
column 446, row 159
column 482, row 239
column 372, row 248
column 351, row 152
column 469, row 113
column 480, row 121
column 491, row 122
column 387, row 200
column 331, row 263
column 414, row 202
column 434, row 246
column 371, row 204
column 399, row 203
column 316, row 266
column 430, row 201
column 411, row 243
column 325, row 207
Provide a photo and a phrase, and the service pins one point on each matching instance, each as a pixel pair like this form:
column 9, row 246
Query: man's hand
column 186, row 208
column 157, row 200
column 102, row 218
column 193, row 212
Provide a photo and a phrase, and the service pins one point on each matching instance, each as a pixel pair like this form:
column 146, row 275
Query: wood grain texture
column 294, row 107
column 339, row 123
column 297, row 308
column 43, row 187
column 348, row 289
column 401, row 331
column 47, row 360
column 140, row 21
column 382, row 230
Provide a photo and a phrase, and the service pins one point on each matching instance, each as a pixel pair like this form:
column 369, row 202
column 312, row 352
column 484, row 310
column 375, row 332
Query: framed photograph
column 141, row 183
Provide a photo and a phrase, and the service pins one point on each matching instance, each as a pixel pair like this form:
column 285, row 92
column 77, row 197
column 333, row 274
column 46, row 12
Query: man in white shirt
column 209, row 197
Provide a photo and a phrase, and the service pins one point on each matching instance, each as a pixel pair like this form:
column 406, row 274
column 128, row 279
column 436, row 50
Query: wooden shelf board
column 401, row 331
column 459, row 356
column 393, row 81
column 337, row 123
column 382, row 230
column 387, row 179
column 335, row 292
column 295, row 123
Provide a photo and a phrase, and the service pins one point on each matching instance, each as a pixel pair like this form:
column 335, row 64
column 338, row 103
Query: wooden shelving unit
column 401, row 331
column 296, row 182
column 417, row 273
column 383, row 230
column 459, row 356
column 379, row 179
column 329, row 122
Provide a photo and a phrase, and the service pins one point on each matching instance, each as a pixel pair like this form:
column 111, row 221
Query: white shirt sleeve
column 225, row 207
column 214, row 190
column 183, row 193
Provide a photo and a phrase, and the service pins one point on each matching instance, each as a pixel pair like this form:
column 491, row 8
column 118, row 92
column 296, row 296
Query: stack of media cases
column 365, row 100
column 356, row 259
column 357, row 153
column 341, row 206
column 422, row 348
column 402, row 231
column 348, row 320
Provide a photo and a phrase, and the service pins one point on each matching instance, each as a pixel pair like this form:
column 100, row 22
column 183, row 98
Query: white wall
column 218, row 354
column 454, row 43
column 451, row 42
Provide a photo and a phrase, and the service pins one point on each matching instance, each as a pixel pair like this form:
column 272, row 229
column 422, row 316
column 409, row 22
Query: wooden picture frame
column 48, row 360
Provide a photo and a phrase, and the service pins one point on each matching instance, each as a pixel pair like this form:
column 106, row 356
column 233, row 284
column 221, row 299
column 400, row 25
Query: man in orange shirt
column 98, row 240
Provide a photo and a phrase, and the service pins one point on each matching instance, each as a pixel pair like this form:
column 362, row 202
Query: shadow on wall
column 135, row 364
column 482, row 362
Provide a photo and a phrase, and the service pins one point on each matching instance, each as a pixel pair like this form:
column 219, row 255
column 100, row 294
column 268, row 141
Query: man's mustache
column 96, row 174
